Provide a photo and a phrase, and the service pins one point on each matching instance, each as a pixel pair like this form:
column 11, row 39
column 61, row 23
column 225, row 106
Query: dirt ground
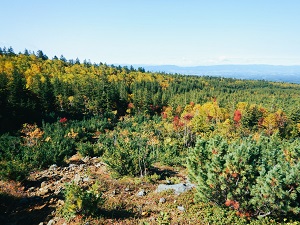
column 37, row 199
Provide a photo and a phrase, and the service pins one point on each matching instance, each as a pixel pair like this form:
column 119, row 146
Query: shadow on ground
column 25, row 211
column 118, row 214
column 163, row 173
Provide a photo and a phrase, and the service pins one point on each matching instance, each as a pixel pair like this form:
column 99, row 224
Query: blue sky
column 156, row 32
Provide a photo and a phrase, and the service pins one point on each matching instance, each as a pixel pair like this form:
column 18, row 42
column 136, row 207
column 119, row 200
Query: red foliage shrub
column 130, row 105
column 188, row 117
column 177, row 123
column 237, row 116
column 164, row 115
column 63, row 120
column 233, row 204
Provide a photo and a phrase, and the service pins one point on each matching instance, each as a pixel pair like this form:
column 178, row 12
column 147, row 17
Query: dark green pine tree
column 77, row 61
column 17, row 93
column 10, row 51
column 62, row 58
column 46, row 96
column 4, row 112
column 106, row 97
column 26, row 52
column 20, row 103
column 41, row 55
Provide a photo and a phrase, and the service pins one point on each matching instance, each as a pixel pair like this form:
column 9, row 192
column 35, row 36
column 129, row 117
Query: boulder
column 178, row 188
column 162, row 200
column 141, row 193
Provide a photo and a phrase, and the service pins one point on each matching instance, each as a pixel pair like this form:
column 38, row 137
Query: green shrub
column 163, row 219
column 13, row 164
column 129, row 156
column 9, row 146
column 81, row 202
column 85, row 148
column 256, row 178
column 14, row 170
column 213, row 214
column 56, row 146
column 52, row 143
column 172, row 154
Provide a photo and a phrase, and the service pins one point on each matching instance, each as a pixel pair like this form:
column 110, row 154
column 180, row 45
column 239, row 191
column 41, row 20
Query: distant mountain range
column 289, row 74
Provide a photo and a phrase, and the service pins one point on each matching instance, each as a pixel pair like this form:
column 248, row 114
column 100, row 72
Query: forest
column 237, row 140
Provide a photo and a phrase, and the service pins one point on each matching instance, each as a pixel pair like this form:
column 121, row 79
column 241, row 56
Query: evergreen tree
column 4, row 112
column 41, row 55
column 4, row 50
column 26, row 52
column 141, row 69
column 260, row 177
column 10, row 51
column 46, row 94
column 62, row 58
column 17, row 91
column 132, row 69
column 77, row 61
column 21, row 102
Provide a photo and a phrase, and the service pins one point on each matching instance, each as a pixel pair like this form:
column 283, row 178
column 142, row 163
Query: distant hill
column 254, row 72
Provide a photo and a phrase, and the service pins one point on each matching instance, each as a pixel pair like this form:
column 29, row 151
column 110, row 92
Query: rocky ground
column 148, row 200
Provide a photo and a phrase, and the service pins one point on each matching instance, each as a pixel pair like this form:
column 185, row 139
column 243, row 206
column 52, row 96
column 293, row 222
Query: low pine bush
column 13, row 164
column 129, row 155
column 79, row 201
column 257, row 178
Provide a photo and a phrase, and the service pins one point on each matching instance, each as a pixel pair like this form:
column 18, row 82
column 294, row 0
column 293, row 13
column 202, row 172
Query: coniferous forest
column 236, row 140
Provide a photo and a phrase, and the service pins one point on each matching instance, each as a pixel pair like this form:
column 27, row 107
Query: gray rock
column 44, row 191
column 53, row 167
column 86, row 159
column 181, row 208
column 58, row 190
column 86, row 179
column 168, row 182
column 115, row 192
column 31, row 189
column 98, row 165
column 72, row 166
column 178, row 188
column 51, row 222
column 77, row 178
column 58, row 182
column 60, row 202
column 162, row 200
column 127, row 189
column 141, row 193
column 82, row 166
column 43, row 184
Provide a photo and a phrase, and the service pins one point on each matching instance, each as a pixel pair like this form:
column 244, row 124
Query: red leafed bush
column 237, row 116
column 188, row 117
column 130, row 105
column 63, row 120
